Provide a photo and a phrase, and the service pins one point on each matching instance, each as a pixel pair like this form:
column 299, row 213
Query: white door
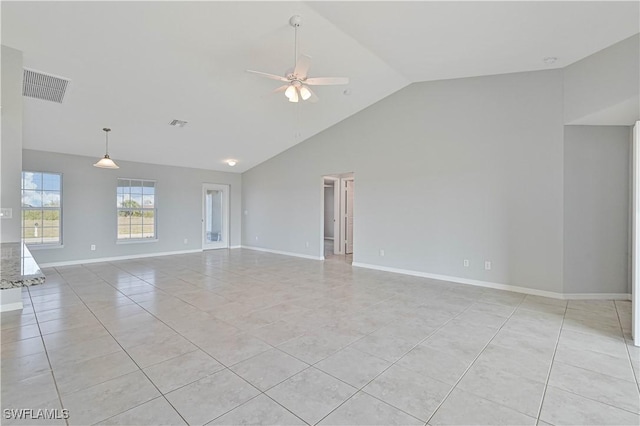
column 635, row 238
column 215, row 216
column 349, row 217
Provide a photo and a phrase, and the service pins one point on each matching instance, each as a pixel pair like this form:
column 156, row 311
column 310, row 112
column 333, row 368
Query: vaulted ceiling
column 135, row 66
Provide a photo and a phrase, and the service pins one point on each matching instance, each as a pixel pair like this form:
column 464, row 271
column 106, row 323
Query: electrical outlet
column 487, row 265
column 256, row 238
column 381, row 252
column 306, row 244
column 186, row 241
column 6, row 213
column 93, row 247
column 465, row 263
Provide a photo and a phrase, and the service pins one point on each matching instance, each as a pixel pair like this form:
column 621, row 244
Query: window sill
column 139, row 241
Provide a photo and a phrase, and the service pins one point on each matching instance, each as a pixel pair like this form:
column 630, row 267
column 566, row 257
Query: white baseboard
column 286, row 253
column 115, row 258
column 498, row 286
column 596, row 296
column 478, row 283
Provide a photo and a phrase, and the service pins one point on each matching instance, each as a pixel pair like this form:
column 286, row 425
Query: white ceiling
column 135, row 66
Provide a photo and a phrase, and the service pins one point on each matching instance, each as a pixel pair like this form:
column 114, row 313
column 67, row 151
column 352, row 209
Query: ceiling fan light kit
column 305, row 93
column 298, row 82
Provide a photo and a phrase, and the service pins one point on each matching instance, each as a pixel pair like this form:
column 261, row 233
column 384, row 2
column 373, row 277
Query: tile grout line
column 55, row 383
column 555, row 350
column 635, row 375
column 251, row 399
column 592, row 371
column 394, row 363
column 193, row 266
column 313, row 365
column 124, row 350
column 226, row 367
column 474, row 361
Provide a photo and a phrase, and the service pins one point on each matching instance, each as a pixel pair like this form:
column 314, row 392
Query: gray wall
column 596, row 209
column 11, row 151
column 469, row 169
column 89, row 206
column 603, row 88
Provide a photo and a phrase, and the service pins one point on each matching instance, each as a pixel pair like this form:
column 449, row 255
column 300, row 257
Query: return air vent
column 44, row 86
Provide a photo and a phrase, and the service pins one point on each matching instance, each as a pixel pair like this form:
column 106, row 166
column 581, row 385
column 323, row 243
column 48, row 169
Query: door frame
column 343, row 213
column 225, row 189
column 336, row 212
column 338, row 180
column 635, row 236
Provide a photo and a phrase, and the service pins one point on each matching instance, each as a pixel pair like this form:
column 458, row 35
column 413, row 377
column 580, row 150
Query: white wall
column 89, row 206
column 602, row 89
column 469, row 168
column 596, row 209
column 11, row 151
column 329, row 214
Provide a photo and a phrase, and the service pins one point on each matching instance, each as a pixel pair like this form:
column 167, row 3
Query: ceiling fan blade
column 313, row 98
column 271, row 76
column 302, row 66
column 281, row 89
column 326, row 81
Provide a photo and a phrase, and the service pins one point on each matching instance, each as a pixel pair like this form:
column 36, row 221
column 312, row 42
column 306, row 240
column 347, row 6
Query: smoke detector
column 177, row 123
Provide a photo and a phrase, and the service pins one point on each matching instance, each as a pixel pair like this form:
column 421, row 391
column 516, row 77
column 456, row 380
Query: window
column 136, row 201
column 42, row 208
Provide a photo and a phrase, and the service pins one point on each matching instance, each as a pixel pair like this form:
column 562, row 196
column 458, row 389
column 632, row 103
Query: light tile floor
column 244, row 337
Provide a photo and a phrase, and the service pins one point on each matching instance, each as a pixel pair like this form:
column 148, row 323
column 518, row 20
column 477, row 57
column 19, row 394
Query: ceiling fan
column 298, row 81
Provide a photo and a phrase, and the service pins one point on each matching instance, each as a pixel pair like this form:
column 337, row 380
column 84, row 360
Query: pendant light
column 106, row 162
column 305, row 93
column 292, row 93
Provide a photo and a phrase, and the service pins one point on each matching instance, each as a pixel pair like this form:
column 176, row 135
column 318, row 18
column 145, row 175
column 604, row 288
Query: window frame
column 154, row 209
column 59, row 209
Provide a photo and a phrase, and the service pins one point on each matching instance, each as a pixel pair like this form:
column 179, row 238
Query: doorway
column 215, row 216
column 338, row 216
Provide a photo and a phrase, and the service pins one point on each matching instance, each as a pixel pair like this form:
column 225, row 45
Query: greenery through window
column 136, row 202
column 41, row 208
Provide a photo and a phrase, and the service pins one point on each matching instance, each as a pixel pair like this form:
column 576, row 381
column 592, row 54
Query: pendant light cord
column 295, row 47
column 106, row 131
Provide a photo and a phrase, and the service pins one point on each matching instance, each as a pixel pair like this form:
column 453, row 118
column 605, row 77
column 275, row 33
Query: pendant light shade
column 106, row 162
column 305, row 93
column 290, row 92
column 294, row 94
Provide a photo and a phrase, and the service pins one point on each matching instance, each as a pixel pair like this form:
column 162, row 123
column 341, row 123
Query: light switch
column 6, row 213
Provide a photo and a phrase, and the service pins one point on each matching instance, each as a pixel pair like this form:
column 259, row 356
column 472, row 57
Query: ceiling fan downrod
column 295, row 22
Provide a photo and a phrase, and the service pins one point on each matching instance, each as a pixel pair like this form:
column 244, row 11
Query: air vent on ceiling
column 178, row 123
column 47, row 87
